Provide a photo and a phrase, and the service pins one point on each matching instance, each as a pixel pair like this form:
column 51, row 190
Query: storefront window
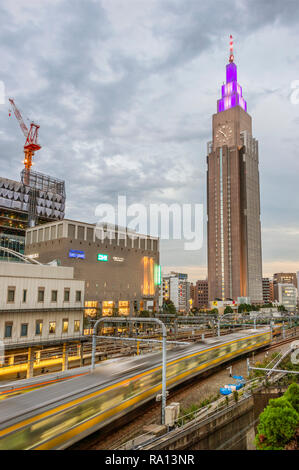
column 107, row 308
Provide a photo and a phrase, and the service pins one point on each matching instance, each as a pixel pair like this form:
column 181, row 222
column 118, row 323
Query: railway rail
column 59, row 415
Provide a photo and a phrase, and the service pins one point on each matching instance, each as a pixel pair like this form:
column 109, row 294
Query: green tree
column 255, row 308
column 169, row 307
column 281, row 308
column 277, row 426
column 214, row 310
column 242, row 308
column 144, row 314
column 292, row 395
column 228, row 309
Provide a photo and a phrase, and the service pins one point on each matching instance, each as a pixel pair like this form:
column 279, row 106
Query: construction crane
column 31, row 135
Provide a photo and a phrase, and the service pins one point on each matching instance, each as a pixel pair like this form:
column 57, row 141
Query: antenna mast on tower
column 231, row 49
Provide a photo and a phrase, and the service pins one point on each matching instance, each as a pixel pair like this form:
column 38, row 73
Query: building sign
column 33, row 256
column 117, row 259
column 157, row 275
column 76, row 254
column 102, row 257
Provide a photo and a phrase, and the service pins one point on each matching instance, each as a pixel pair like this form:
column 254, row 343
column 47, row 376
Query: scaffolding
column 43, row 182
column 46, row 196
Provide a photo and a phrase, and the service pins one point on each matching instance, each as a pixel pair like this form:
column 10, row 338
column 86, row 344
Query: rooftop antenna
column 231, row 49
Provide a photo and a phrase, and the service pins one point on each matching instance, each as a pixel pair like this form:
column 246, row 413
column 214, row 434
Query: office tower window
column 41, row 294
column 24, row 329
column 54, row 296
column 8, row 330
column 11, row 294
column 52, row 327
column 78, row 296
column 65, row 325
column 38, row 327
column 66, row 295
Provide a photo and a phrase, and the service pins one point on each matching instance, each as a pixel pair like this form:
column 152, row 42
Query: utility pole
column 134, row 320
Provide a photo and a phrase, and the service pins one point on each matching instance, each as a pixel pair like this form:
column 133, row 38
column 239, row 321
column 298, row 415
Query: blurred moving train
column 56, row 416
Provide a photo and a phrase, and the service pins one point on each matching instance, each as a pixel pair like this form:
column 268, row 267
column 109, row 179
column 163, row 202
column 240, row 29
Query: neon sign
column 157, row 275
column 102, row 257
column 76, row 254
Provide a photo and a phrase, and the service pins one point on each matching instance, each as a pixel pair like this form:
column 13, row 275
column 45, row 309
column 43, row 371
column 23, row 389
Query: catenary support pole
column 134, row 320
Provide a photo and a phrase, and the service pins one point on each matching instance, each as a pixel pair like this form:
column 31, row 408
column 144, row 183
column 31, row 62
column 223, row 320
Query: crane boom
column 19, row 118
column 31, row 135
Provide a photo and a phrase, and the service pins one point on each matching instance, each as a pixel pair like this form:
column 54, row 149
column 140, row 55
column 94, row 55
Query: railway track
column 284, row 341
column 113, row 437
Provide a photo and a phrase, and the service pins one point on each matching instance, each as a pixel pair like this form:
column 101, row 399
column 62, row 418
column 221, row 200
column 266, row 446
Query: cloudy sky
column 124, row 91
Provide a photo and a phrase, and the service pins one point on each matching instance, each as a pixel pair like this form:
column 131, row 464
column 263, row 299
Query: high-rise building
column 287, row 296
column 200, row 294
column 176, row 287
column 268, row 292
column 283, row 278
column 234, row 229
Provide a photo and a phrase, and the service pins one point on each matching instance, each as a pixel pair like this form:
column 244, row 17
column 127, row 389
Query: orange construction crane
column 31, row 145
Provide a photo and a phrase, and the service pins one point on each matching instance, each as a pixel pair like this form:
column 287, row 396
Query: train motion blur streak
column 70, row 411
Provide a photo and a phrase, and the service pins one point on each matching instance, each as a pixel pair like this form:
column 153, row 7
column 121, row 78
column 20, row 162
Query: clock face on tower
column 224, row 134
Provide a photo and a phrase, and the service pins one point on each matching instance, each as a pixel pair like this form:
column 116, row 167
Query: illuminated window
column 124, row 307
column 76, row 326
column 52, row 327
column 148, row 276
column 38, row 327
column 92, row 310
column 65, row 325
column 107, row 308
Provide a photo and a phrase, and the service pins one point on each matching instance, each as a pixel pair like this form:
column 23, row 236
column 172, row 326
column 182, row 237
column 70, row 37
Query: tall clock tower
column 234, row 228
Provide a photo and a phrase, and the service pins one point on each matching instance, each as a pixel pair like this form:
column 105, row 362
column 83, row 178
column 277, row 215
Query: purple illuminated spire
column 231, row 91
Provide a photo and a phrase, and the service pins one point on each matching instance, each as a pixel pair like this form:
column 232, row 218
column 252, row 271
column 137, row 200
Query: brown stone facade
column 200, row 294
column 119, row 273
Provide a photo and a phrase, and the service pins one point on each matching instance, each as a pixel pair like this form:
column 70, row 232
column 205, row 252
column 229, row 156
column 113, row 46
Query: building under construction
column 36, row 199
